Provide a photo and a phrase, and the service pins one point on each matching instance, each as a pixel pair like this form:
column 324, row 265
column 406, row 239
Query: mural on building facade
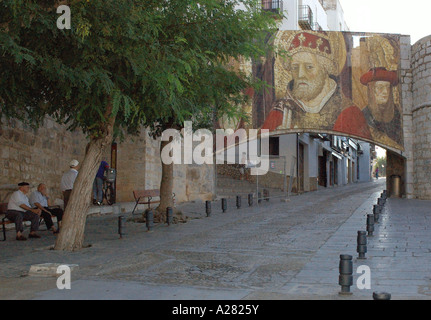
column 333, row 82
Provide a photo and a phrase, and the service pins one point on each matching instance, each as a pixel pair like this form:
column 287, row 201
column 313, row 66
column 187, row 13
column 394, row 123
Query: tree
column 381, row 165
column 211, row 34
column 123, row 65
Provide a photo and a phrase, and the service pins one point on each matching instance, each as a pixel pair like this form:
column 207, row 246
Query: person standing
column 39, row 199
column 67, row 181
column 19, row 210
column 98, row 183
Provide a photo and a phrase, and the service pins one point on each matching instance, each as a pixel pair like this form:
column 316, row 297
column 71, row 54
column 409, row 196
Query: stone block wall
column 421, row 115
column 36, row 156
column 43, row 155
column 406, row 78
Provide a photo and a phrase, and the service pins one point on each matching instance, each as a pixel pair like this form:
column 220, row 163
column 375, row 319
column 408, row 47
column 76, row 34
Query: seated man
column 19, row 210
column 39, row 199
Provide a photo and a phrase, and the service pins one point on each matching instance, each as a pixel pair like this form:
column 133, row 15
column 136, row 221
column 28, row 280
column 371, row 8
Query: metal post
column 345, row 279
column 266, row 194
column 362, row 244
column 224, row 204
column 250, row 199
column 380, row 202
column 370, row 224
column 381, row 296
column 376, row 213
column 238, row 202
column 208, row 208
column 169, row 215
column 257, row 186
column 285, row 180
column 377, row 209
column 259, row 197
column 149, row 219
column 121, row 220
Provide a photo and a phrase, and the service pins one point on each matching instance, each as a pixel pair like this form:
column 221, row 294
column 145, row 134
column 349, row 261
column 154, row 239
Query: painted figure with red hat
column 313, row 99
column 382, row 114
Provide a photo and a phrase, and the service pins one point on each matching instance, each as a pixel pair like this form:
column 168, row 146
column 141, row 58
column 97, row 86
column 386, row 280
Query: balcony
column 275, row 6
column 305, row 18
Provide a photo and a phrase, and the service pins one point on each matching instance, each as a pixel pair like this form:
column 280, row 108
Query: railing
column 305, row 17
column 275, row 6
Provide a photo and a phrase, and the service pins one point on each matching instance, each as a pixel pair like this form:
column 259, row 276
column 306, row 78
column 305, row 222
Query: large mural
column 329, row 82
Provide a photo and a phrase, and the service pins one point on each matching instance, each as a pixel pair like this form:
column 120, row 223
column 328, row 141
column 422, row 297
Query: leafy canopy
column 150, row 63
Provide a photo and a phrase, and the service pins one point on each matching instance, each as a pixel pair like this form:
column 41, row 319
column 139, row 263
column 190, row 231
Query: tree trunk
column 71, row 236
column 166, row 185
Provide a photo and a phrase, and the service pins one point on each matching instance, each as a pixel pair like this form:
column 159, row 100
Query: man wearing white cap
column 68, row 179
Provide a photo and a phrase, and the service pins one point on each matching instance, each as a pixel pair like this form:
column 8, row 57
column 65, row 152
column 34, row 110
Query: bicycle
column 108, row 186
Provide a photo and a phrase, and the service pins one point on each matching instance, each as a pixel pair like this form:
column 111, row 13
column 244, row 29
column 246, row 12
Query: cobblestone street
column 274, row 250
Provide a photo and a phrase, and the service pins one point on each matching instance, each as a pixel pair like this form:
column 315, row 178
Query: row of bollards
column 345, row 279
column 250, row 199
column 149, row 220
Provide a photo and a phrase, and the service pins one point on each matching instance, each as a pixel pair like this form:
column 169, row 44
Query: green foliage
column 381, row 164
column 146, row 63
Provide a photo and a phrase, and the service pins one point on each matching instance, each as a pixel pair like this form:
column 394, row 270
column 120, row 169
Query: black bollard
column 224, row 204
column 370, row 224
column 345, row 279
column 380, row 202
column 149, row 219
column 121, row 221
column 376, row 213
column 384, row 196
column 208, row 208
column 362, row 244
column 266, row 194
column 381, row 296
column 259, row 197
column 238, row 202
column 250, row 199
column 169, row 215
column 377, row 209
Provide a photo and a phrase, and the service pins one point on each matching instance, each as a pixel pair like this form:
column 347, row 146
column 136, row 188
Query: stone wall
column 421, row 114
column 269, row 180
column 43, row 155
column 37, row 156
column 406, row 78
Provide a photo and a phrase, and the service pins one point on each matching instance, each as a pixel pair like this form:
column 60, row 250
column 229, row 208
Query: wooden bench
column 4, row 222
column 146, row 197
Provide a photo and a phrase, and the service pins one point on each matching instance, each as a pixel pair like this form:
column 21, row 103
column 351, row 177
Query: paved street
column 276, row 250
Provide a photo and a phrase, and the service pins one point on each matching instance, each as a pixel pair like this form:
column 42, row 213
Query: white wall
column 335, row 15
column 364, row 162
column 290, row 8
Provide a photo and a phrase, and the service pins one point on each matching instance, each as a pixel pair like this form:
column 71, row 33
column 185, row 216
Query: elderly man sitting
column 39, row 199
column 19, row 210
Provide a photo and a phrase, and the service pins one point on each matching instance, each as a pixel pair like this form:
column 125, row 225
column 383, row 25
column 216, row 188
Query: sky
column 411, row 17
